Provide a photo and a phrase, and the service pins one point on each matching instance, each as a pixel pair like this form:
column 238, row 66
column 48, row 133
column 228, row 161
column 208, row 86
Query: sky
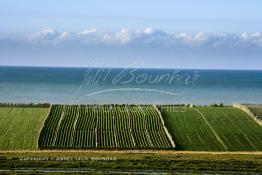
column 215, row 34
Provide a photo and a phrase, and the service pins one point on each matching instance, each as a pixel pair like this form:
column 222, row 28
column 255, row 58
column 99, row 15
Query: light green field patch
column 189, row 130
column 20, row 127
column 237, row 130
column 212, row 129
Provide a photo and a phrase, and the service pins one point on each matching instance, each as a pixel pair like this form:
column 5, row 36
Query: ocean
column 128, row 86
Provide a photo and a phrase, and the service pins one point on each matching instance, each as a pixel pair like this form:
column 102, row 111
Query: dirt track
column 134, row 151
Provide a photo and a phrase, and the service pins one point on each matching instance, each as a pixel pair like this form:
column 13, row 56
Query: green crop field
column 212, row 129
column 128, row 127
column 20, row 127
column 103, row 126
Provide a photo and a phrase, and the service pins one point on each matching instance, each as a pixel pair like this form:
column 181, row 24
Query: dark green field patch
column 103, row 126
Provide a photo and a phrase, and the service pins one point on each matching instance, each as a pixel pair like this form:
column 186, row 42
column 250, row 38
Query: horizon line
column 108, row 67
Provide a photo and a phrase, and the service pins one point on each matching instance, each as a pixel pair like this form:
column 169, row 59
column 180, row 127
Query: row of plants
column 109, row 127
column 46, row 137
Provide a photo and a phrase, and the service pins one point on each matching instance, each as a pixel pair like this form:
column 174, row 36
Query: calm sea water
column 100, row 86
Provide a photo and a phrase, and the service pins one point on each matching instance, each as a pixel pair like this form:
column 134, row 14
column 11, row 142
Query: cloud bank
column 147, row 37
column 156, row 48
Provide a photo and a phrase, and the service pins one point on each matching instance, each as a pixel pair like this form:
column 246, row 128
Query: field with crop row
column 104, row 126
column 128, row 127
column 212, row 129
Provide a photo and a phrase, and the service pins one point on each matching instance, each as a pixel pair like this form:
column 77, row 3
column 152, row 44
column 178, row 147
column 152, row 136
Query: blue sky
column 169, row 15
column 21, row 21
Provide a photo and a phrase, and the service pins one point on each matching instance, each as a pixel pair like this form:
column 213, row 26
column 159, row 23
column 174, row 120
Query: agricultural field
column 20, row 127
column 212, row 129
column 128, row 127
column 104, row 126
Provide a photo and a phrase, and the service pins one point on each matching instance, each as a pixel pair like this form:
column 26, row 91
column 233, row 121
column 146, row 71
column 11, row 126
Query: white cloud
column 245, row 36
column 88, row 31
column 147, row 36
column 46, row 36
column 192, row 39
column 123, row 36
column 201, row 36
column 148, row 30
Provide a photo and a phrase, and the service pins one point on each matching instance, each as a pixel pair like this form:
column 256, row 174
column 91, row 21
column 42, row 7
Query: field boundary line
column 214, row 132
column 164, row 126
column 74, row 127
column 59, row 123
column 37, row 147
column 248, row 111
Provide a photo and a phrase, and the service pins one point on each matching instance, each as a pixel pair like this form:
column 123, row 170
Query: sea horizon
column 67, row 85
column 108, row 67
